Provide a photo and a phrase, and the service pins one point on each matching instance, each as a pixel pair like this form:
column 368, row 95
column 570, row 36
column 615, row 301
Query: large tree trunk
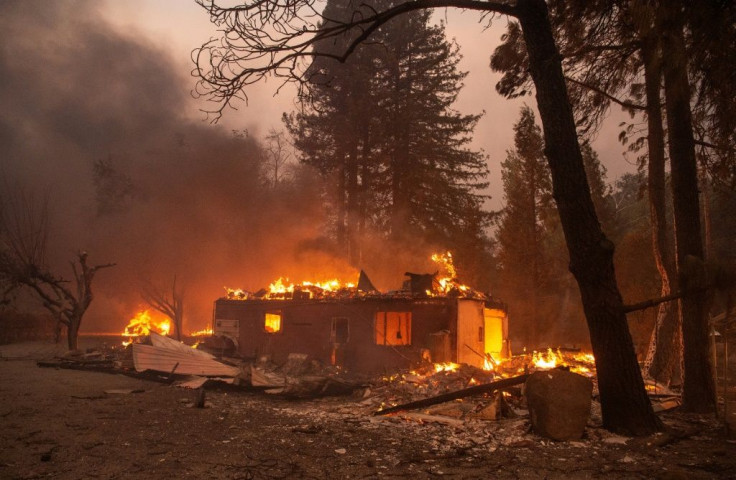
column 624, row 402
column 698, row 385
column 664, row 349
column 179, row 323
column 340, row 230
column 353, row 203
column 72, row 332
column 534, row 251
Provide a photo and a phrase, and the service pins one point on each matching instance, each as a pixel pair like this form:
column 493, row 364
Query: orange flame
column 236, row 293
column 202, row 333
column 142, row 324
column 547, row 360
column 447, row 279
column 282, row 288
column 445, row 367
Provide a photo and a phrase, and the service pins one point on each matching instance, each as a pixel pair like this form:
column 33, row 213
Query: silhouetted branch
column 171, row 306
column 652, row 302
column 275, row 38
column 623, row 103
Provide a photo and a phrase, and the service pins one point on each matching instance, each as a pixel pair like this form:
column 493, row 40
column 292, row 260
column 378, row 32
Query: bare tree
column 172, row 306
column 273, row 38
column 23, row 264
column 277, row 155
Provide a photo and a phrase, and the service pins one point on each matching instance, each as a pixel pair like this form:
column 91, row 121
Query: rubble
column 458, row 396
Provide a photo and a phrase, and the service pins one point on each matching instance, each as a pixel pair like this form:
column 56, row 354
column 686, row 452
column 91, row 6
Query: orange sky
column 178, row 27
column 76, row 91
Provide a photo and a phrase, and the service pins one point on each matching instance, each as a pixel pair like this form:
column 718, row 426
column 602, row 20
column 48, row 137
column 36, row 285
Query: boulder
column 559, row 403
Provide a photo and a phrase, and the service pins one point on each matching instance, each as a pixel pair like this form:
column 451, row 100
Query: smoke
column 176, row 198
column 96, row 119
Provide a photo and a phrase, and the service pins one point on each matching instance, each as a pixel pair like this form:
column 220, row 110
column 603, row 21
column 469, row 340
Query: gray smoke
column 191, row 200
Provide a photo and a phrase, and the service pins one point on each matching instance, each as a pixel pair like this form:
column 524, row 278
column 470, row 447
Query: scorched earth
column 67, row 424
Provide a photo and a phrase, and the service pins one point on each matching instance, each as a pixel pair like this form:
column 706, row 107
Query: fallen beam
column 466, row 392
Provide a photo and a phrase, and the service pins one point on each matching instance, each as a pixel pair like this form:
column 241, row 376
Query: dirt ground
column 57, row 423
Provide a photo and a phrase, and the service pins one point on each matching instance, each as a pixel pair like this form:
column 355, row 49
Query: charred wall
column 348, row 333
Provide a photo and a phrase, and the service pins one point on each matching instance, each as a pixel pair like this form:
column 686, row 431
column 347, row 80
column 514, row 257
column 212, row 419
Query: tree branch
column 607, row 95
column 652, row 302
column 270, row 38
column 600, row 48
column 703, row 143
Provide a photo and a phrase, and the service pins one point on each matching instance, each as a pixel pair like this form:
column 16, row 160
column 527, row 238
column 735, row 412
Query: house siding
column 307, row 328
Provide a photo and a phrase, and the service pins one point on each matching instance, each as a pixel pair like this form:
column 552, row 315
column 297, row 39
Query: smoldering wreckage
column 435, row 351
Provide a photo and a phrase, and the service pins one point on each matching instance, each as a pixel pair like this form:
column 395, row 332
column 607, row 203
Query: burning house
column 362, row 330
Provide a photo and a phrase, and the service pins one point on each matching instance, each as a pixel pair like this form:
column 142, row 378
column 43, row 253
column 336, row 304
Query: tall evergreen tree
column 528, row 197
column 383, row 123
column 533, row 262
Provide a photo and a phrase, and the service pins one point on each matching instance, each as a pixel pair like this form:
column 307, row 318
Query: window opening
column 340, row 330
column 393, row 328
column 272, row 322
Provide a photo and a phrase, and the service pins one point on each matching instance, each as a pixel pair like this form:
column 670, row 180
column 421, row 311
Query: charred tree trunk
column 664, row 349
column 352, row 204
column 534, row 250
column 172, row 307
column 72, row 332
column 363, row 189
column 340, row 233
column 399, row 200
column 625, row 405
column 698, row 384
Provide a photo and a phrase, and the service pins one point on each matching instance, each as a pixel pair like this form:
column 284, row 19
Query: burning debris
column 445, row 393
column 442, row 283
column 142, row 324
column 283, row 289
column 435, row 347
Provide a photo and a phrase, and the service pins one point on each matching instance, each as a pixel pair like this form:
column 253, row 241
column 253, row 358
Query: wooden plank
column 466, row 392
column 423, row 417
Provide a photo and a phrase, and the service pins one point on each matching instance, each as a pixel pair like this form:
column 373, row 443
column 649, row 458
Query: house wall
column 307, row 328
column 470, row 336
column 497, row 333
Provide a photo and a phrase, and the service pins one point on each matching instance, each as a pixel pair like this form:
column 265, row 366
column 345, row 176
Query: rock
column 199, row 400
column 559, row 403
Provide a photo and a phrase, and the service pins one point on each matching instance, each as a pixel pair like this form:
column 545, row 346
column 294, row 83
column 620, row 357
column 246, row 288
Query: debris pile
column 446, row 393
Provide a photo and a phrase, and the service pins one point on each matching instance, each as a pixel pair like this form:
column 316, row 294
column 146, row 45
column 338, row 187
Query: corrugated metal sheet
column 166, row 353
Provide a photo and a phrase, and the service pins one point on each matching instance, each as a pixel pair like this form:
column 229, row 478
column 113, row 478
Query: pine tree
column 528, row 196
column 530, row 242
column 383, row 123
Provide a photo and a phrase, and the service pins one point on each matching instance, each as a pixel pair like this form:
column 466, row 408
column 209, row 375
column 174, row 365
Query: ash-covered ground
column 58, row 423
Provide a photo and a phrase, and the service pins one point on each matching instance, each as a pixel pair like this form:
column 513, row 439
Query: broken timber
column 466, row 392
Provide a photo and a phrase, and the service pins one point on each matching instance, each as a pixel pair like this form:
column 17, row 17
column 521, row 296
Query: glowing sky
column 179, row 26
